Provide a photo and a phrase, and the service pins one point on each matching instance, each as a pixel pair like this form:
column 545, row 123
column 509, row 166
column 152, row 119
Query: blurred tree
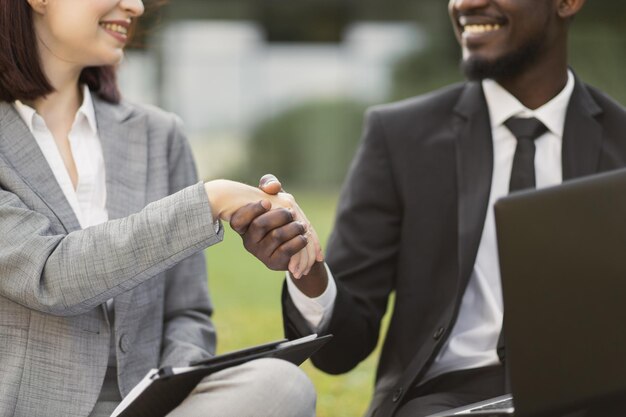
column 428, row 69
column 147, row 24
column 598, row 46
column 305, row 20
column 436, row 65
column 312, row 144
column 597, row 51
column 309, row 145
column 258, row 9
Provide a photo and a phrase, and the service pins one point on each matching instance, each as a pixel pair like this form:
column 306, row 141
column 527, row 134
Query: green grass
column 246, row 297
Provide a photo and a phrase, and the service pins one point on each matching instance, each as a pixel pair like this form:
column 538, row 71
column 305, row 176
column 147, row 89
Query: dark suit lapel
column 474, row 171
column 474, row 167
column 582, row 135
column 20, row 149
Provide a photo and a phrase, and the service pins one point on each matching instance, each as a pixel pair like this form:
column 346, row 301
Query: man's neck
column 540, row 82
column 534, row 90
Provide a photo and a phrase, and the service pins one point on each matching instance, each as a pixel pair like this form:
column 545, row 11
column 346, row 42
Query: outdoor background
column 280, row 86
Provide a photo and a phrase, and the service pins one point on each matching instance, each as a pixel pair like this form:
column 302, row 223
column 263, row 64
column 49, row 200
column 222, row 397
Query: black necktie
column 523, row 170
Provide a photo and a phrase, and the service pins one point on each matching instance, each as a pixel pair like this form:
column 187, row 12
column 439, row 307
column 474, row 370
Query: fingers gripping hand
column 270, row 235
column 242, row 218
column 243, row 205
column 301, row 263
column 270, row 184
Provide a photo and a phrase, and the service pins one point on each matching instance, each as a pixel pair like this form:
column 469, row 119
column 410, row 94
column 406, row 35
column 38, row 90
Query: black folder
column 164, row 389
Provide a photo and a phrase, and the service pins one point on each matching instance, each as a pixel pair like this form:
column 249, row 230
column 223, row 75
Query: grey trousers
column 260, row 388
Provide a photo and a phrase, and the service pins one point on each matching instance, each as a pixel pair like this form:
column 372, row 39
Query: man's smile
column 480, row 28
column 476, row 28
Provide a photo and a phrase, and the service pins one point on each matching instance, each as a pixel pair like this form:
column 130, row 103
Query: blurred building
column 223, row 77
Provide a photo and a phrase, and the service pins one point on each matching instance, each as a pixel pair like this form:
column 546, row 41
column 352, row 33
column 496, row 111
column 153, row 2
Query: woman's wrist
column 217, row 193
column 226, row 196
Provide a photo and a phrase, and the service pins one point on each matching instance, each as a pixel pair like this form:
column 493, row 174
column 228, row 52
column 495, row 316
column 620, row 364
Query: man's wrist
column 317, row 311
column 314, row 284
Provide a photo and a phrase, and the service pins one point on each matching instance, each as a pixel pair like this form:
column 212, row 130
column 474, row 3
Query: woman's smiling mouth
column 117, row 28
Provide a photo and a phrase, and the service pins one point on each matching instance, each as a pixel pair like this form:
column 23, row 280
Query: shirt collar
column 27, row 114
column 86, row 110
column 503, row 105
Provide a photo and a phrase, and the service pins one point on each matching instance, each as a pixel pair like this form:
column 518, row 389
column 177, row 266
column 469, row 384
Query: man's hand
column 282, row 239
column 271, row 235
column 313, row 251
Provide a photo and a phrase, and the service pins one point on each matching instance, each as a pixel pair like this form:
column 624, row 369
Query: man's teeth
column 115, row 28
column 480, row 28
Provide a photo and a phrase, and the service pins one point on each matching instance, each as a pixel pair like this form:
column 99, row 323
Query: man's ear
column 569, row 8
column 38, row 6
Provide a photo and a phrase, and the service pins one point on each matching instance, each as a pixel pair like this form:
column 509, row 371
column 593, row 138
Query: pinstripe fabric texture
column 55, row 277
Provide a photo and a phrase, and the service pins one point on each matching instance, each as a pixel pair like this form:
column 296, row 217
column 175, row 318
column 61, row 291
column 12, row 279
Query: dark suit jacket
column 410, row 219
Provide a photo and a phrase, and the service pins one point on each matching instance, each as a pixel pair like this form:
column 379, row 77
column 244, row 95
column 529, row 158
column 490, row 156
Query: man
column 415, row 215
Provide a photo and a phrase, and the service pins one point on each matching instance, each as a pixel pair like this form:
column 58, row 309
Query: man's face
column 501, row 38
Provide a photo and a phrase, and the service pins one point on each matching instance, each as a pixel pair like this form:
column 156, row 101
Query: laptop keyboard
column 497, row 405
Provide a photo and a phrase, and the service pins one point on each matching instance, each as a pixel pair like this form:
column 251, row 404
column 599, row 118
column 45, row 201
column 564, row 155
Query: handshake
column 270, row 222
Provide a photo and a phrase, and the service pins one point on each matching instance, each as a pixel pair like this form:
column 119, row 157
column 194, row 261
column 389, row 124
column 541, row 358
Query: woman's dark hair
column 21, row 75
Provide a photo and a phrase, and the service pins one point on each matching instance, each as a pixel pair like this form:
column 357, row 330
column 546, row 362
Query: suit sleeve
column 188, row 332
column 71, row 274
column 361, row 254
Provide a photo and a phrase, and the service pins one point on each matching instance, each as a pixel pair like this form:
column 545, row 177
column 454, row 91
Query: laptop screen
column 563, row 263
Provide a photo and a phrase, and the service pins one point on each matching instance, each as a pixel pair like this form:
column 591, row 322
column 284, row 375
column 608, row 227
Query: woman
column 103, row 223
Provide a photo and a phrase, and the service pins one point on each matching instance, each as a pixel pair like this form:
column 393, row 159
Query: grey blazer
column 55, row 277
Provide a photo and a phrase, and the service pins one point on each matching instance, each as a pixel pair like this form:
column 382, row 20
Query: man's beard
column 504, row 67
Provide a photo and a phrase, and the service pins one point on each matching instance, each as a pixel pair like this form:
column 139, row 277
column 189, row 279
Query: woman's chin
column 112, row 58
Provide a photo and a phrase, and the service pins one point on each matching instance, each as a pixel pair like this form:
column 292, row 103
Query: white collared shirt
column 474, row 337
column 88, row 200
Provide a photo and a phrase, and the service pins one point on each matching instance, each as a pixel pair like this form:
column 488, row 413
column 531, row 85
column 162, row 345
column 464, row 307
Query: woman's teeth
column 115, row 28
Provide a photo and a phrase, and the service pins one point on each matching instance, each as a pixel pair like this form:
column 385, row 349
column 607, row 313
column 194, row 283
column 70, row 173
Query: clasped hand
column 270, row 222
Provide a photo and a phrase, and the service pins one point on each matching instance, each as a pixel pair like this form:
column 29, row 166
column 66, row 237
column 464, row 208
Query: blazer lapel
column 582, row 136
column 124, row 138
column 474, row 171
column 20, row 149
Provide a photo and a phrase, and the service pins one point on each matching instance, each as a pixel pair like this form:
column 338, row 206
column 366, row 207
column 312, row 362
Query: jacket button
column 124, row 343
column 440, row 331
column 397, row 394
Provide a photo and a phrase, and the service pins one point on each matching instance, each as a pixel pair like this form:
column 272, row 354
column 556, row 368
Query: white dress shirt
column 88, row 200
column 474, row 337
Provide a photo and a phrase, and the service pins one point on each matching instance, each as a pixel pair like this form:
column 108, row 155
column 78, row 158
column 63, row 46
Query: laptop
column 562, row 257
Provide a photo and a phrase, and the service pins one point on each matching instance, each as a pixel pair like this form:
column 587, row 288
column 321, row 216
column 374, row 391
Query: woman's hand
column 227, row 196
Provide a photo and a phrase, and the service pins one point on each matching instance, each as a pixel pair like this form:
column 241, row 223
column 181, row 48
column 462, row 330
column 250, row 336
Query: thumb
column 270, row 184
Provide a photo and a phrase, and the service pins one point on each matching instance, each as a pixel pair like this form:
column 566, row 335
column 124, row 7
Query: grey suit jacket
column 410, row 219
column 55, row 277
